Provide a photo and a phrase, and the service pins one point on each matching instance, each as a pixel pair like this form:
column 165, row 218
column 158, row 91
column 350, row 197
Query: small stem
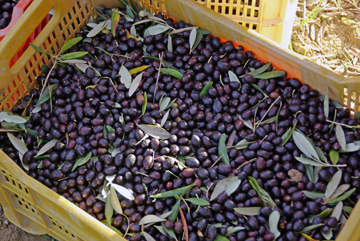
column 128, row 225
column 185, row 203
column 342, row 124
column 47, row 77
column 216, row 162
column 247, row 162
column 157, row 78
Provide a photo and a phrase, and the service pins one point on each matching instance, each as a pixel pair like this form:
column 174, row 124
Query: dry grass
column 332, row 37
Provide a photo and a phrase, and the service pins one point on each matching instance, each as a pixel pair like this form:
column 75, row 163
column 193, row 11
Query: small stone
column 295, row 175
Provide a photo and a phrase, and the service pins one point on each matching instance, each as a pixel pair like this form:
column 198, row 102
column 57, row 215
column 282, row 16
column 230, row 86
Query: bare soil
column 332, row 37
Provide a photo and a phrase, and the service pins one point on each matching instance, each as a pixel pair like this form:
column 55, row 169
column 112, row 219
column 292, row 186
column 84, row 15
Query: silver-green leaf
column 273, row 223
column 135, row 84
column 155, row 131
column 340, row 136
column 333, row 184
column 249, row 211
column 222, row 186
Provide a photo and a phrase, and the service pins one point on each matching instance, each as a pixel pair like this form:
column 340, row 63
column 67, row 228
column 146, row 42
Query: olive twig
column 47, row 77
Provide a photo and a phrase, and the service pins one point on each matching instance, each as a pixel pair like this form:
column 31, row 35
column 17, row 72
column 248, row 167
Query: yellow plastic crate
column 38, row 210
column 273, row 19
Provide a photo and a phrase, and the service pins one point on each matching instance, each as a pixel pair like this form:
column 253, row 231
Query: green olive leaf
column 340, row 136
column 311, row 227
column 170, row 44
column 135, row 84
column 233, row 230
column 198, row 201
column 348, row 209
column 232, row 187
column 197, row 40
column 74, row 55
column 20, row 146
column 233, row 77
column 178, row 191
column 321, row 154
column 143, row 108
column 171, row 72
column 222, row 186
column 169, row 231
column 115, row 17
column 46, row 95
column 258, row 71
column 71, row 42
column 115, row 201
column 351, row 147
column 261, row 193
column 333, row 184
column 246, row 122
column 336, row 213
column 126, row 193
column 309, row 162
column 147, row 236
column 150, row 219
column 155, row 29
column 165, row 118
column 273, row 223
column 164, row 102
column 81, row 160
column 248, row 211
column 155, row 131
column 98, row 28
column 202, row 31
column 287, row 135
column 206, row 88
column 270, row 75
column 109, row 211
column 343, row 197
column 222, row 150
column 325, row 213
column 175, row 211
column 4, row 116
column 221, row 238
column 305, row 146
column 125, row 76
column 192, row 38
column 326, row 102
column 47, row 147
column 340, row 190
column 39, row 49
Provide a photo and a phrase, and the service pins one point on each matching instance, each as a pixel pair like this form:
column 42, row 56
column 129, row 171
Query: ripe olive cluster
column 6, row 10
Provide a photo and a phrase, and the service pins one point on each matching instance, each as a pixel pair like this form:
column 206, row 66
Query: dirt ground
column 331, row 38
column 10, row 232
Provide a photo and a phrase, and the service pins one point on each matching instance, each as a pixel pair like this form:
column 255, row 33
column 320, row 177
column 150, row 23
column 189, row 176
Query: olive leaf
column 261, row 192
column 273, row 223
column 198, row 201
column 47, row 147
column 4, row 116
column 170, row 44
column 138, row 69
column 165, row 118
column 155, row 131
column 130, row 12
column 333, row 184
column 109, row 211
column 337, row 210
column 115, row 17
column 222, row 150
column 309, row 162
column 206, row 88
column 340, row 136
column 115, row 151
column 340, row 190
column 135, row 84
column 150, row 219
column 71, row 42
column 171, row 103
column 351, row 147
column 221, row 238
column 258, row 71
column 81, row 160
column 311, row 227
column 164, row 102
column 73, row 55
column 155, row 29
column 348, row 209
column 308, row 237
column 325, row 213
column 316, row 173
column 192, row 38
column 125, row 76
column 98, row 28
column 39, row 49
column 231, row 139
column 123, row 191
column 232, row 230
column 321, row 154
column 133, row 31
column 222, row 186
column 171, row 72
column 175, row 211
column 249, row 211
column 20, row 146
column 305, row 146
column 203, row 31
column 46, row 94
column 147, row 236
column 232, row 187
column 73, row 61
column 327, row 235
column 337, row 105
column 143, row 108
column 246, row 122
column 169, row 231
column 197, row 40
column 342, row 197
column 83, row 68
column 178, row 191
column 161, row 230
column 115, row 201
column 270, row 75
column 233, row 77
column 326, row 102
column 287, row 135
column 241, row 144
column 259, row 89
